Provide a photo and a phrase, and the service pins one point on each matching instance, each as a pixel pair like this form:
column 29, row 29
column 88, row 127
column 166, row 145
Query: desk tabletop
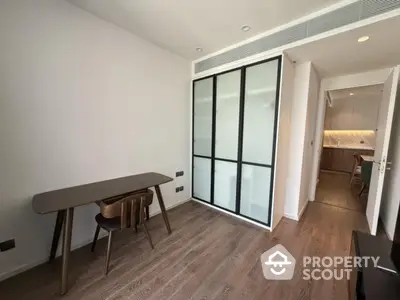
column 367, row 158
column 88, row 193
column 378, row 284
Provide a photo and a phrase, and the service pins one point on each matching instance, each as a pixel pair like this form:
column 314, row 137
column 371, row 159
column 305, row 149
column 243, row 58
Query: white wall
column 311, row 119
column 283, row 140
column 306, row 84
column 335, row 83
column 353, row 113
column 80, row 101
column 391, row 189
column 355, row 80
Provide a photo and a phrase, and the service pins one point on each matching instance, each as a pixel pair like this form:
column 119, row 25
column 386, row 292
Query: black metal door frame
column 239, row 161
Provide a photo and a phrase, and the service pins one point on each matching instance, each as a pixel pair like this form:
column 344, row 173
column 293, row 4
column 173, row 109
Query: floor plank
column 209, row 255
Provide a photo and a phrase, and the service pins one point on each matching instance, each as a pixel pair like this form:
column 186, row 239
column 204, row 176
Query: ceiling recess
column 345, row 15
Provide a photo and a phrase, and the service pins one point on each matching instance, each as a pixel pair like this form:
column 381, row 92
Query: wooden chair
column 366, row 172
column 356, row 173
column 120, row 213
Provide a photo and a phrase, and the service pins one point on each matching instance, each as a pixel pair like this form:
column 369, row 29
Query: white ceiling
column 183, row 25
column 370, row 91
column 342, row 54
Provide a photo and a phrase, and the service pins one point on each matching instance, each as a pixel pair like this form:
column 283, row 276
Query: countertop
column 350, row 146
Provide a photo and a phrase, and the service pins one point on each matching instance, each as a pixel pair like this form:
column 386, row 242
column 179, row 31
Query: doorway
column 350, row 123
column 379, row 140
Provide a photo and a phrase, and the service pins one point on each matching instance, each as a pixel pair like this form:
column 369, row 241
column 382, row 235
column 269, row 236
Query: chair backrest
column 117, row 208
column 357, row 159
column 366, row 171
column 124, row 207
column 134, row 201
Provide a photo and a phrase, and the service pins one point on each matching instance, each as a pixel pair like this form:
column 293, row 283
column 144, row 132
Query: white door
column 391, row 188
column 384, row 127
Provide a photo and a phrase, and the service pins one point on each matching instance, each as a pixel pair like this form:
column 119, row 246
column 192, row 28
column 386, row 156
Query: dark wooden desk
column 372, row 283
column 65, row 200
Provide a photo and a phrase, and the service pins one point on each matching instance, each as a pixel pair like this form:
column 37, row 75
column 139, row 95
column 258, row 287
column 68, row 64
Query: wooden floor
column 209, row 255
column 334, row 189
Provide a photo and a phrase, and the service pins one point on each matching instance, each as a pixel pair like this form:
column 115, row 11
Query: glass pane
column 255, row 198
column 201, row 178
column 203, row 91
column 227, row 118
column 259, row 112
column 225, row 184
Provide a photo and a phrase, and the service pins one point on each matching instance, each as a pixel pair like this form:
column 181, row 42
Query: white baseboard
column 28, row 266
column 291, row 216
column 303, row 209
column 233, row 215
column 152, row 214
column 23, row 268
column 298, row 216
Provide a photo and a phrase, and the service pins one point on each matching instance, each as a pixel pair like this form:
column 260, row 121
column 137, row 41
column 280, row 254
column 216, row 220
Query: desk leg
column 56, row 234
column 162, row 206
column 66, row 249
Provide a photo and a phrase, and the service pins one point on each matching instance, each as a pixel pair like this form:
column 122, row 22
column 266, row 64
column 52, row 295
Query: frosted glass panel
column 203, row 91
column 255, row 189
column 259, row 112
column 227, row 118
column 225, row 184
column 201, row 178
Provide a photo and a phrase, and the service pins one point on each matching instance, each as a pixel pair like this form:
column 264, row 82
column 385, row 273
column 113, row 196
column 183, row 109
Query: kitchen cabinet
column 340, row 159
column 326, row 159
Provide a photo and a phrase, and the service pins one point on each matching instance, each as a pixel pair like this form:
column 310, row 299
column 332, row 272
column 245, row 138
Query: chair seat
column 109, row 224
column 120, row 212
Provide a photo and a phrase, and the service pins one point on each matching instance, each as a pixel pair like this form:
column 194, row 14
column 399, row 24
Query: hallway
column 334, row 189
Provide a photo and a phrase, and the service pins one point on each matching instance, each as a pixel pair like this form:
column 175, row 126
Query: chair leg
column 362, row 189
column 352, row 177
column 134, row 216
column 147, row 213
column 108, row 252
column 143, row 223
column 96, row 236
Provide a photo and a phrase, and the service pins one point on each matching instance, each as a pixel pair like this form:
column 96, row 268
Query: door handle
column 389, row 163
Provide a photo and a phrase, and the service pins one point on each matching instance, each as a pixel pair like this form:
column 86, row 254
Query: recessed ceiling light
column 246, row 28
column 363, row 39
column 199, row 49
column 351, row 94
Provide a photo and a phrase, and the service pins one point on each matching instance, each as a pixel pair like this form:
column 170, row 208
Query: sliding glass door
column 234, row 137
column 202, row 138
column 226, row 139
column 258, row 140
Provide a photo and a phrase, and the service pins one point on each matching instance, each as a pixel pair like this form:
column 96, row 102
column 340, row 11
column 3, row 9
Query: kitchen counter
column 341, row 157
column 351, row 147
